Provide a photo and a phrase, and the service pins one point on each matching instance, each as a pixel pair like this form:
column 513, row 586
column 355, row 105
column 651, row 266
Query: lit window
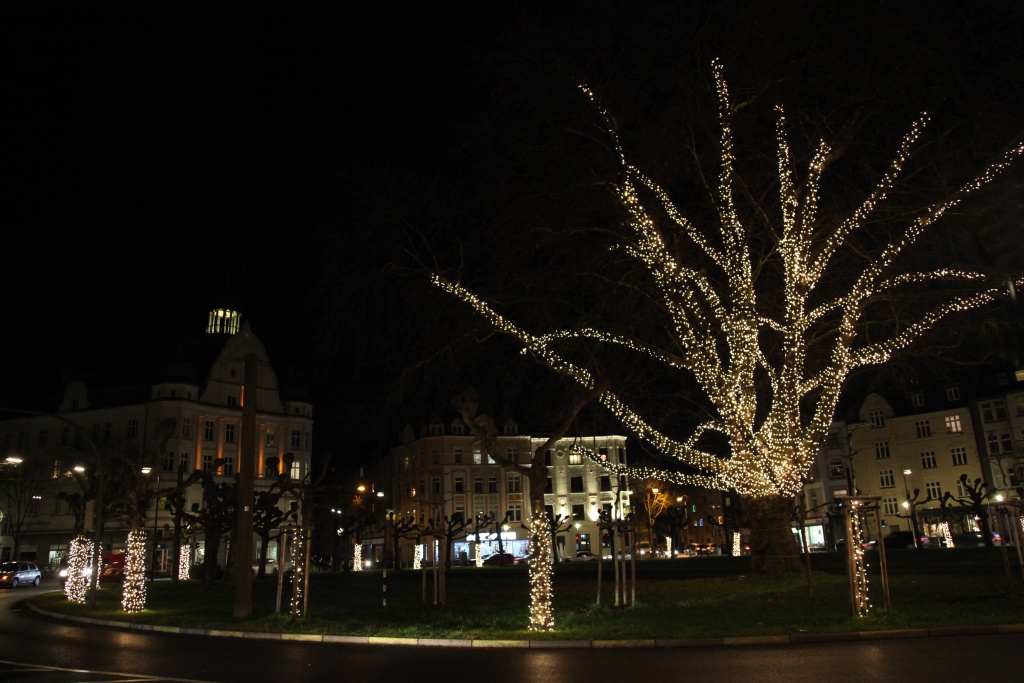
column 953, row 425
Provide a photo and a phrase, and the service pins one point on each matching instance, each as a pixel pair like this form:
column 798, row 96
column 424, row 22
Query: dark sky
column 155, row 156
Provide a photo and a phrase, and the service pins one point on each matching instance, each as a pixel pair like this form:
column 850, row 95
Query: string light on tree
column 79, row 552
column 745, row 335
column 133, row 595
column 541, row 616
column 184, row 561
column 860, row 567
column 357, row 559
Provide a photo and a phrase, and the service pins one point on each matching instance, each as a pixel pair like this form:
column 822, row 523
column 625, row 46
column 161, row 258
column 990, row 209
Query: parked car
column 899, row 539
column 973, row 539
column 14, row 574
column 496, row 558
column 643, row 548
column 582, row 556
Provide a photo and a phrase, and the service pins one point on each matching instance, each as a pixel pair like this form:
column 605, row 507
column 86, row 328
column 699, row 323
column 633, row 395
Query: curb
column 739, row 641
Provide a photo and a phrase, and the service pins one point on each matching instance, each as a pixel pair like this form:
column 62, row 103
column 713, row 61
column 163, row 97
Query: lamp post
column 908, row 505
column 156, row 511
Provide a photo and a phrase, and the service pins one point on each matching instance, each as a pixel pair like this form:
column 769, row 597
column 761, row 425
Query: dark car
column 14, row 574
column 496, row 558
column 899, row 539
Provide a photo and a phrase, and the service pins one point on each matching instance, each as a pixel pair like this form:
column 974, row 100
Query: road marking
column 121, row 677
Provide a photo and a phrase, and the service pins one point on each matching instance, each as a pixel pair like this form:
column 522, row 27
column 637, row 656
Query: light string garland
column 357, row 558
column 133, row 592
column 541, row 615
column 479, row 554
column 77, row 582
column 860, row 567
column 728, row 342
column 298, row 573
column 417, row 557
column 184, row 561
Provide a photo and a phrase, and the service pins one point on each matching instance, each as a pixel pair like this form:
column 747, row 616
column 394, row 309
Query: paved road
column 43, row 650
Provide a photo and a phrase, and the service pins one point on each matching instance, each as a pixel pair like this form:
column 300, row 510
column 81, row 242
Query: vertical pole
column 385, row 585
column 242, row 552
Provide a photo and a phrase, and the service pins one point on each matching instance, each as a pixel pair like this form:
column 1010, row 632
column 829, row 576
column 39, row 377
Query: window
column 959, row 455
column 435, row 456
column 232, row 401
column 876, row 418
column 229, row 433
column 953, row 425
column 923, row 428
column 928, row 460
column 886, row 480
column 515, row 513
column 576, row 484
column 210, row 431
column 512, row 454
column 917, row 399
column 228, row 468
column 186, row 427
column 271, row 437
column 890, row 507
column 961, row 489
column 65, row 436
column 207, row 462
column 132, row 431
column 933, row 489
column 108, row 431
column 606, row 482
column 602, row 454
column 577, row 513
column 460, row 484
column 458, row 428
column 34, row 506
column 436, row 429
column 492, row 484
column 478, row 485
column 993, row 410
column 953, row 392
column 44, row 437
column 458, row 456
column 170, row 461
column 435, row 484
column 549, row 485
column 296, row 438
column 882, row 450
column 836, row 470
column 575, row 458
column 514, row 483
column 999, row 442
column 477, row 457
column 296, row 473
column 1019, row 400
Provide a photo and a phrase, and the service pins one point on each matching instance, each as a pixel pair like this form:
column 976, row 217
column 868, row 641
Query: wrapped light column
column 184, row 561
column 133, row 595
column 78, row 562
column 541, row 616
column 357, row 557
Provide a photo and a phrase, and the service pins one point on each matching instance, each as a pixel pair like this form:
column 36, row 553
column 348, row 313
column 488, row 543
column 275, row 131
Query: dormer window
column 436, row 428
column 458, row 427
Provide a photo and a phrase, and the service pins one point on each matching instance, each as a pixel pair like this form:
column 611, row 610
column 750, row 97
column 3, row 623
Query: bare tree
column 763, row 310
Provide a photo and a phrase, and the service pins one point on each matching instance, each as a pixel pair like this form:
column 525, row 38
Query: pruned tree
column 653, row 499
column 762, row 309
column 21, row 484
column 974, row 500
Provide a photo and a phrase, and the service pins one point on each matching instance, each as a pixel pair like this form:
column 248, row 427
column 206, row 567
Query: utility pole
column 242, row 552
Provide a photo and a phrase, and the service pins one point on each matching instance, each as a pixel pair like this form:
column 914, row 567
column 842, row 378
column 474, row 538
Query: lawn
column 702, row 597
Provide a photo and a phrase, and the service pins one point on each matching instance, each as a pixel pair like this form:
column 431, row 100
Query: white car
column 582, row 556
column 14, row 574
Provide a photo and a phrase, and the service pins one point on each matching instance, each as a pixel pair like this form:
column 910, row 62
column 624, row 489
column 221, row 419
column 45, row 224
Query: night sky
column 155, row 156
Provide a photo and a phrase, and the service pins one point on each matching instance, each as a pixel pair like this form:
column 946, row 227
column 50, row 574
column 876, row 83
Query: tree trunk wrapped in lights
column 765, row 318
column 133, row 595
column 79, row 552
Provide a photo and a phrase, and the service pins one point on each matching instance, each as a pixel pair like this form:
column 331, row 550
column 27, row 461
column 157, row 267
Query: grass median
column 701, row 597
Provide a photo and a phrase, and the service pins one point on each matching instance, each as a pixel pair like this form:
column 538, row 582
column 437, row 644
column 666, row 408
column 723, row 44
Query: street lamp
column 908, row 505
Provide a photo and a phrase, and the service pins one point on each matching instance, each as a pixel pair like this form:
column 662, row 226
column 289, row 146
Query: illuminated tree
column 654, row 498
column 764, row 310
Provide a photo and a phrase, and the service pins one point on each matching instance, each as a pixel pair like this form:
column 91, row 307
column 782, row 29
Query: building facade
column 176, row 425
column 444, row 474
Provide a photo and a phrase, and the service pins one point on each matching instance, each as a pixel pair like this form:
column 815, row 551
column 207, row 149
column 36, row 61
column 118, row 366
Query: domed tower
column 225, row 316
